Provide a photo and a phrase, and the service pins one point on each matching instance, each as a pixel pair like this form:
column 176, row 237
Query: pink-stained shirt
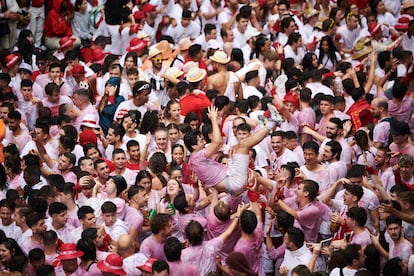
column 387, row 178
column 128, row 175
column 409, row 149
column 64, row 234
column 153, row 249
column 363, row 239
column 28, row 244
column 79, row 272
column 73, row 219
column 252, row 249
column 323, row 122
column 309, row 217
column 134, row 218
column 90, row 112
column 215, row 228
column 381, row 132
column 179, row 268
column 203, row 256
column 21, row 140
column 399, row 110
column 346, row 154
column 306, row 115
column 336, row 170
column 287, row 156
column 403, row 250
column 55, row 106
column 184, row 220
column 369, row 201
column 208, row 170
column 117, row 229
column 321, row 177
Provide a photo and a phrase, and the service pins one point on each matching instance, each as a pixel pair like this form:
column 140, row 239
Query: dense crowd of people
column 210, row 137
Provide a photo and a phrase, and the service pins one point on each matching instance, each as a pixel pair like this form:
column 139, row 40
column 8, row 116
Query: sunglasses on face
column 157, row 59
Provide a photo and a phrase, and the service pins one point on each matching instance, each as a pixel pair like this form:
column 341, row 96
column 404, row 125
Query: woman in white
column 327, row 53
column 294, row 49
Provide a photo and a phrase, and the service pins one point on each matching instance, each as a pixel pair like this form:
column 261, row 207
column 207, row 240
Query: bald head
column 125, row 246
column 379, row 107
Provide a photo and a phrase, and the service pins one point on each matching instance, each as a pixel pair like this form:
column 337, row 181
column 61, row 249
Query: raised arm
column 216, row 140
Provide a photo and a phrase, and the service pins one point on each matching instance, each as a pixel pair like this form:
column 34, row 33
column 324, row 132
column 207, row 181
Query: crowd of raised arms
column 207, row 137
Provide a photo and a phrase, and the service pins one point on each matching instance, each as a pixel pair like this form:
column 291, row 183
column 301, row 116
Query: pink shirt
column 215, row 228
column 252, row 249
column 321, row 177
column 387, row 178
column 203, row 256
column 55, row 106
column 403, row 250
column 399, row 110
column 28, row 244
column 184, row 220
column 409, row 149
column 336, row 170
column 21, row 140
column 381, row 132
column 208, row 170
column 306, row 115
column 131, row 263
column 362, row 239
column 153, row 249
column 134, row 219
column 179, row 268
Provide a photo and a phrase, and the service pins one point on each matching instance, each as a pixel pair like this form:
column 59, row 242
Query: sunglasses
column 157, row 59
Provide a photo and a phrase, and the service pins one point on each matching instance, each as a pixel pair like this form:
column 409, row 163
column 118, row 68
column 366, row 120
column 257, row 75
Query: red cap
column 148, row 8
column 11, row 60
column 78, row 70
column 66, row 41
column 136, row 44
column 98, row 55
column 292, row 98
column 138, row 15
column 374, row 28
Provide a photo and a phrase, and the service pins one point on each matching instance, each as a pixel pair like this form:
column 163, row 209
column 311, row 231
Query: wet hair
column 195, row 233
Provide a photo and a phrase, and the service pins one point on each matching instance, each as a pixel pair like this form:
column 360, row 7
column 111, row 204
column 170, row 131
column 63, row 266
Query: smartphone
column 348, row 237
column 326, row 242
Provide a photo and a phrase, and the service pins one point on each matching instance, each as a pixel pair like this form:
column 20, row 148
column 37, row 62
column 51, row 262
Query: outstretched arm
column 216, row 140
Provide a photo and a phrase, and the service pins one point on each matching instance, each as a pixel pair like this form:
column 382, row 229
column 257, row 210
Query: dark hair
column 160, row 265
column 355, row 190
column 284, row 220
column 194, row 232
column 359, row 215
column 158, row 222
column 248, row 221
column 150, row 122
column 57, row 208
column 393, row 267
column 172, row 249
column 391, row 219
column 312, row 188
column 108, row 207
column 336, row 148
column 18, row 259
column 82, row 211
column 190, row 139
column 331, row 50
column 33, row 219
column 51, row 87
column 133, row 190
column 142, row 174
column 296, row 236
column 87, row 246
column 158, row 164
column 312, row 145
column 180, row 203
column 351, row 253
column 36, row 254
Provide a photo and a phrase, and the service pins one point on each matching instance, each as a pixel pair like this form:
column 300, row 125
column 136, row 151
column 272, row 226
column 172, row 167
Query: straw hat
column 184, row 43
column 173, row 72
column 196, row 74
column 310, row 12
column 407, row 4
column 360, row 50
column 220, row 57
column 68, row 252
column 165, row 48
column 188, row 65
column 112, row 264
column 154, row 51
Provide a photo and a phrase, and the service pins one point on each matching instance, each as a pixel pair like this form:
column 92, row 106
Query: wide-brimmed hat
column 148, row 265
column 173, row 72
column 251, row 32
column 407, row 4
column 136, row 44
column 66, row 41
column 11, row 60
column 68, row 252
column 195, row 74
column 166, row 48
column 360, row 50
column 374, row 28
column 220, row 57
column 78, row 70
column 153, row 52
column 213, row 44
column 310, row 12
column 25, row 67
column 399, row 128
column 185, row 43
column 142, row 34
column 112, row 264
